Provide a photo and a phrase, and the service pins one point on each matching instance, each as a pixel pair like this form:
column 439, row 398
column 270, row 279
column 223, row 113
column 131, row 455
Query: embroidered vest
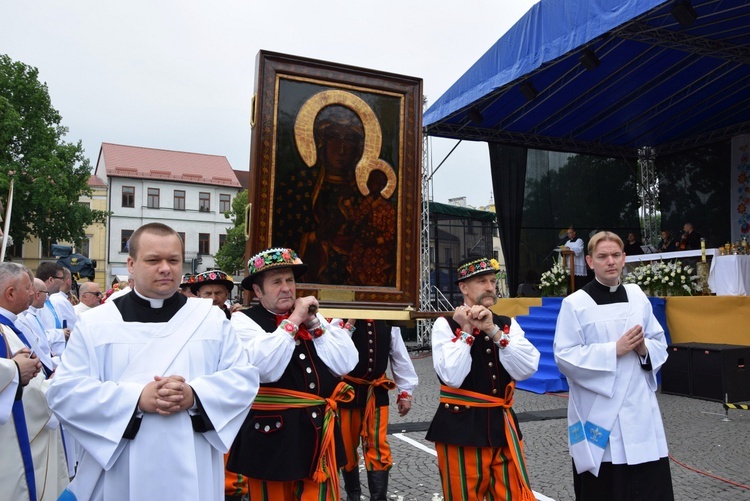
column 476, row 427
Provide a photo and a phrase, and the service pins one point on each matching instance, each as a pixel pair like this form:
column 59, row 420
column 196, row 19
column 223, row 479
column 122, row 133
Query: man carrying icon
column 478, row 356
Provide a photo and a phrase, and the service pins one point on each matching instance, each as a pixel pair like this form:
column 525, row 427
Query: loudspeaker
column 708, row 371
column 720, row 369
column 675, row 373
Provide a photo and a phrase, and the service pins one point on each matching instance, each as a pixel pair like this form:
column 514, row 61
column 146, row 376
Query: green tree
column 231, row 256
column 49, row 173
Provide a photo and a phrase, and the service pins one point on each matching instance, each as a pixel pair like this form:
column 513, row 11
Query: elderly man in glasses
column 90, row 297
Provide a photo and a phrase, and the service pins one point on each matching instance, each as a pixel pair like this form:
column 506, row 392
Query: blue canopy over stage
column 607, row 77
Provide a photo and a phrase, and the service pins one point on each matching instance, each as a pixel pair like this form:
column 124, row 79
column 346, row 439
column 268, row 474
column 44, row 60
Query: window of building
column 152, row 198
column 225, row 203
column 204, row 241
column 16, row 250
column 47, row 247
column 222, row 241
column 84, row 246
column 179, row 200
column 204, row 202
column 128, row 196
column 124, row 237
column 182, row 237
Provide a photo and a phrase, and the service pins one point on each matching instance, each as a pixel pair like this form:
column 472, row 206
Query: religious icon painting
column 335, row 176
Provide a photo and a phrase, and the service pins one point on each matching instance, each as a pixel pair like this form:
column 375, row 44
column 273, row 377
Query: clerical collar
column 612, row 288
column 9, row 315
column 135, row 308
column 155, row 303
column 605, row 294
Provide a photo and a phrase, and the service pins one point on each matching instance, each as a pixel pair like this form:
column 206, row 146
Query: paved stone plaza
column 698, row 439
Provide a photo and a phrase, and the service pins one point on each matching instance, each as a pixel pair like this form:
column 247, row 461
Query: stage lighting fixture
column 527, row 89
column 684, row 13
column 588, row 59
column 476, row 116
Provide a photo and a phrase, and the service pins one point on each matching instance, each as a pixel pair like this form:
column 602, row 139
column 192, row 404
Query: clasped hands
column 632, row 340
column 166, row 396
column 471, row 317
column 305, row 312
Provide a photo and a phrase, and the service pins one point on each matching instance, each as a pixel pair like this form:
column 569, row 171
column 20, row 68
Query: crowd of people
column 158, row 393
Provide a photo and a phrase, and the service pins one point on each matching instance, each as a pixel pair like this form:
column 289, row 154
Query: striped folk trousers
column 477, row 473
column 375, row 449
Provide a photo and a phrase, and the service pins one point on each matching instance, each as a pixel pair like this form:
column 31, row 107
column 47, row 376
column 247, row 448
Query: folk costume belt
column 280, row 399
column 382, row 381
column 467, row 398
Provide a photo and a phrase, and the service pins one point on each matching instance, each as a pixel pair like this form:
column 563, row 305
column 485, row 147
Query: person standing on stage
column 290, row 446
column 579, row 258
column 478, row 356
column 610, row 346
column 365, row 418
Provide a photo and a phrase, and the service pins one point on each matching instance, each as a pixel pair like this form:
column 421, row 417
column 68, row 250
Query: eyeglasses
column 97, row 294
column 43, row 292
column 59, row 278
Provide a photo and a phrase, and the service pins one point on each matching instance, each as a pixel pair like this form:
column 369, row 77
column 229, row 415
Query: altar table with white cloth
column 730, row 275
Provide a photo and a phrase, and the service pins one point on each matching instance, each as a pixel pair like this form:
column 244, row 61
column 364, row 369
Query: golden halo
column 303, row 136
column 380, row 165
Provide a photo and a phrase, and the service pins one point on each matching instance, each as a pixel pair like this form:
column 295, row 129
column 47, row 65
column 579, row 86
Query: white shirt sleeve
column 403, row 370
column 452, row 361
column 520, row 358
column 272, row 351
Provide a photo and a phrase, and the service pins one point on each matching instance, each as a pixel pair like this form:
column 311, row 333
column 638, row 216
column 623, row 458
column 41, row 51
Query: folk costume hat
column 211, row 277
column 186, row 281
column 475, row 266
column 269, row 259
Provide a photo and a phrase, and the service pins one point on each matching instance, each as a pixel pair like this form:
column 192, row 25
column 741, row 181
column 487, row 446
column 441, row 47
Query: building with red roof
column 188, row 191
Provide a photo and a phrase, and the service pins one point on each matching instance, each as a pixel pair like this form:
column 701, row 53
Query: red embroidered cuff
column 403, row 396
column 289, row 327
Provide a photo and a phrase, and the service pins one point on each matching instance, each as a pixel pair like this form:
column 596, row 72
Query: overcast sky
column 179, row 75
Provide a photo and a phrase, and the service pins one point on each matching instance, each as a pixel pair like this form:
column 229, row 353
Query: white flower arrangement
column 554, row 282
column 664, row 279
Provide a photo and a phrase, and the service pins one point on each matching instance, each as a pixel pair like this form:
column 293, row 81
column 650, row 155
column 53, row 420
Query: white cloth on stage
column 610, row 394
column 272, row 351
column 579, row 257
column 47, row 452
column 452, row 361
column 98, row 385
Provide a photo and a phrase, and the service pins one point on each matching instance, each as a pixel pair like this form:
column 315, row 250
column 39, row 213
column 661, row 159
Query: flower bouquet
column 554, row 282
column 664, row 279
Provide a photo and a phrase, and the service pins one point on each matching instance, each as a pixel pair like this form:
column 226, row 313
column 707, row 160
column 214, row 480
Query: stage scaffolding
column 449, row 233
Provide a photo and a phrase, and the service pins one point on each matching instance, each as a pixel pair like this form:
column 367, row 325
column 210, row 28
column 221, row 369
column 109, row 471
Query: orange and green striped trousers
column 375, row 447
column 478, row 473
column 294, row 490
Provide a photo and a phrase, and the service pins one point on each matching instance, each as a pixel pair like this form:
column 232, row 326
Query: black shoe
column 377, row 481
column 351, row 484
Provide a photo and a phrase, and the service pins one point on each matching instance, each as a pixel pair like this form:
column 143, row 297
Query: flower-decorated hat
column 211, row 277
column 278, row 257
column 474, row 266
column 187, row 280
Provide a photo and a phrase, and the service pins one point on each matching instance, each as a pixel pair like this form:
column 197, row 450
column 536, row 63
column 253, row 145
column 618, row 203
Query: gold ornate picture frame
column 335, row 176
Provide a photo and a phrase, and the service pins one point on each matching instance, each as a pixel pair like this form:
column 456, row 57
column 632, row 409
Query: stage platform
column 690, row 319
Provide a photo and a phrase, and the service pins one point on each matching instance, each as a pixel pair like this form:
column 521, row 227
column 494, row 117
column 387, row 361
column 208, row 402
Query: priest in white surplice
column 32, row 463
column 610, row 346
column 154, row 386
